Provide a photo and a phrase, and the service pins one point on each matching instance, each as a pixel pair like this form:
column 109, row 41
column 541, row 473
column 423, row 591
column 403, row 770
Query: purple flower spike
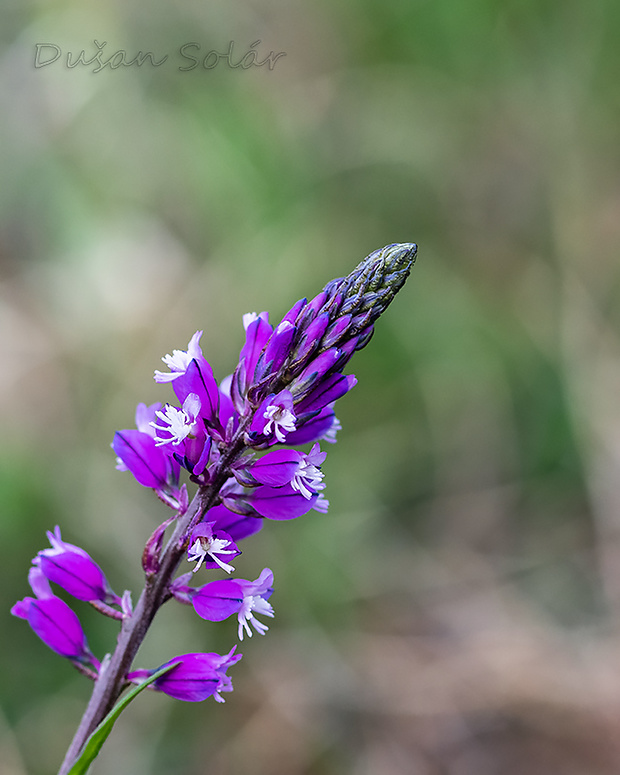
column 198, row 676
column 206, row 546
column 53, row 621
column 74, row 570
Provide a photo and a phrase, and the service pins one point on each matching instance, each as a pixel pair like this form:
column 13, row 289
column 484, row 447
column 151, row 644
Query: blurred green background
column 458, row 610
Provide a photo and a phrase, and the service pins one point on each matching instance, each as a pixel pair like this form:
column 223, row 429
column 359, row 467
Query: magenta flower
column 74, row 570
column 190, row 373
column 53, row 621
column 274, row 419
column 138, row 452
column 218, row 600
column 197, row 677
column 283, row 467
column 209, row 547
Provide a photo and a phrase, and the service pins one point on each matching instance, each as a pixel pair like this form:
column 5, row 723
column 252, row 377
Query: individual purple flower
column 74, row 570
column 53, row 621
column 206, row 545
column 283, row 467
column 191, row 373
column 218, row 600
column 275, row 417
column 196, row 677
column 138, row 452
column 175, row 425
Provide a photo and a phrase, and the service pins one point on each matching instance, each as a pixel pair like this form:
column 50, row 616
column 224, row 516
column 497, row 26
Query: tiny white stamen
column 176, row 422
column 321, row 504
column 204, row 547
column 245, row 615
column 330, row 435
column 308, row 479
column 281, row 419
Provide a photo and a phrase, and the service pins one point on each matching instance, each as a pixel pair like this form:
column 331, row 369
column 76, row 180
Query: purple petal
column 76, row 574
column 276, row 468
column 313, row 430
column 199, row 379
column 326, row 392
column 280, row 502
column 147, row 462
column 198, row 676
column 256, row 337
column 277, row 349
column 218, row 600
column 58, row 627
column 293, row 313
column 235, row 525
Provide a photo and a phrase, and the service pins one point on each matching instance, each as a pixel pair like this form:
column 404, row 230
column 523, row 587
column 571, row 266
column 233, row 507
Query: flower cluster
column 252, row 445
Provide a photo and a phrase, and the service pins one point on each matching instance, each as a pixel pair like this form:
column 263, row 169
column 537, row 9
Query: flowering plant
column 234, row 441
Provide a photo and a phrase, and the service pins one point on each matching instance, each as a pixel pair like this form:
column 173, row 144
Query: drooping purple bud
column 257, row 333
column 53, row 621
column 74, row 570
column 311, row 338
column 197, row 676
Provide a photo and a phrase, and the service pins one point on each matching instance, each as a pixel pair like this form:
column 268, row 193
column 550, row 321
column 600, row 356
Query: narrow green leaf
column 98, row 737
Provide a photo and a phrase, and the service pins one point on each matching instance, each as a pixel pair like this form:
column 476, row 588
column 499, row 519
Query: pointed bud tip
column 400, row 255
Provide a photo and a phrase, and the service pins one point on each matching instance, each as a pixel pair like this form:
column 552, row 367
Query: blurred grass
column 457, row 611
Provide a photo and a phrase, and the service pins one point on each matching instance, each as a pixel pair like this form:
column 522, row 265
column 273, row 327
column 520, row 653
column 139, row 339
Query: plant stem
column 111, row 680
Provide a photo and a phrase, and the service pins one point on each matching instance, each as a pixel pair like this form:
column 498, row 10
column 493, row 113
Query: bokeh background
column 458, row 610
